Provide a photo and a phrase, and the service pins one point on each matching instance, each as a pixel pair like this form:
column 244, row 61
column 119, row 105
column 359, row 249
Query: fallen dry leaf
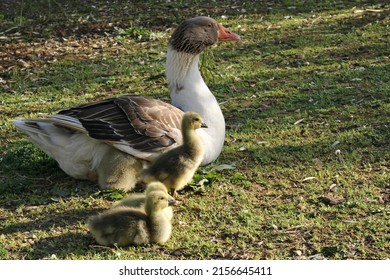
column 308, row 179
column 333, row 199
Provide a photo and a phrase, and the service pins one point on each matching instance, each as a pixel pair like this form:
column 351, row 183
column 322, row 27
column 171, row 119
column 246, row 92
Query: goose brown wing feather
column 143, row 123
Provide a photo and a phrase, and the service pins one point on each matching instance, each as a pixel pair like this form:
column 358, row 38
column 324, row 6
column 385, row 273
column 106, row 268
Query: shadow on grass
column 29, row 178
column 25, row 158
column 68, row 245
column 27, row 171
column 48, row 222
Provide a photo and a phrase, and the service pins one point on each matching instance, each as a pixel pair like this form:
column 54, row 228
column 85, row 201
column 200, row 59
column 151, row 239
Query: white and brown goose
column 134, row 127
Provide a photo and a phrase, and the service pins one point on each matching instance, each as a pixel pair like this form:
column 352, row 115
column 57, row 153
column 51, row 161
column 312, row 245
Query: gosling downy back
column 125, row 225
column 137, row 200
column 121, row 226
column 118, row 170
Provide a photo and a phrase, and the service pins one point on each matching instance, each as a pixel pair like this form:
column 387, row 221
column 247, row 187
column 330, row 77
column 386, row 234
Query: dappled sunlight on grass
column 304, row 173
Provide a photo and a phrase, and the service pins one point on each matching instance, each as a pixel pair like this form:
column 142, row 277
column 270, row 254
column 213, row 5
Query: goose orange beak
column 225, row 34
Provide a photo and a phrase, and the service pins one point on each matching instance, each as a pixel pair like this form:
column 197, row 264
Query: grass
column 306, row 99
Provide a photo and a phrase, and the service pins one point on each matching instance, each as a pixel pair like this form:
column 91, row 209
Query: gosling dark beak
column 204, row 125
column 171, row 202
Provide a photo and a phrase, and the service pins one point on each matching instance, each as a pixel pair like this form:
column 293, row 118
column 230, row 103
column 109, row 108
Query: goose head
column 196, row 34
column 188, row 40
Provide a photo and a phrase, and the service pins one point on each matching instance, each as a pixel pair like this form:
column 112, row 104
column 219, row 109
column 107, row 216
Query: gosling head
column 192, row 120
column 156, row 186
column 158, row 200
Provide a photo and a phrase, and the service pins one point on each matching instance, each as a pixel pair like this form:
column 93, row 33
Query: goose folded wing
column 142, row 123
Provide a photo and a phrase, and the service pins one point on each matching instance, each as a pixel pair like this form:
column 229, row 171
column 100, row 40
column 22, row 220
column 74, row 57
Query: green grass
column 306, row 99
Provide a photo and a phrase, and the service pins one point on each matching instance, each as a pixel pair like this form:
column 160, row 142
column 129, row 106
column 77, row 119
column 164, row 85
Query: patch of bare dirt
column 35, row 54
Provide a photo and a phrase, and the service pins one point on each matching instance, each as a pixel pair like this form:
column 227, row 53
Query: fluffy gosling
column 176, row 167
column 137, row 200
column 134, row 226
column 118, row 170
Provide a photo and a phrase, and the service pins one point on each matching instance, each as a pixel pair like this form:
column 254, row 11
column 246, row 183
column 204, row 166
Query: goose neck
column 182, row 69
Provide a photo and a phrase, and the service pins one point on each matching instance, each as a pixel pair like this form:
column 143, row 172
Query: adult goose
column 141, row 128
